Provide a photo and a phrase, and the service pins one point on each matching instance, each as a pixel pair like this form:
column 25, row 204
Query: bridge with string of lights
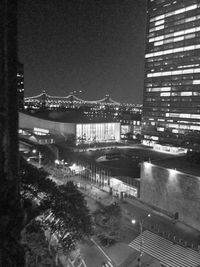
column 70, row 101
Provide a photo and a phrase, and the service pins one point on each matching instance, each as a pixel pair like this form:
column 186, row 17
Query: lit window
column 190, row 7
column 157, row 18
column 158, row 38
column 186, row 93
column 158, row 43
column 196, row 82
column 165, row 94
column 154, row 138
column 159, row 22
column 160, row 129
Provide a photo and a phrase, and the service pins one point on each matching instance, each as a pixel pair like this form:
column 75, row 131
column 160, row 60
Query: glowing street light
column 141, row 222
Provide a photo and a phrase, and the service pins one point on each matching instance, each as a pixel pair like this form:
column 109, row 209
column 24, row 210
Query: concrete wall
column 172, row 191
column 27, row 121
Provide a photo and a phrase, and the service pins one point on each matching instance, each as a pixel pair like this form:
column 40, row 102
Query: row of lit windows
column 181, row 94
column 176, row 83
column 183, row 115
column 179, row 58
column 178, row 22
column 163, row 122
column 185, row 127
column 179, row 128
column 174, row 40
column 173, row 63
column 169, row 27
column 162, row 1
column 186, row 79
column 174, row 100
column 173, row 88
column 174, row 72
column 165, row 47
column 175, row 34
column 188, row 66
column 175, row 50
column 157, row 28
column 176, row 12
column 158, row 89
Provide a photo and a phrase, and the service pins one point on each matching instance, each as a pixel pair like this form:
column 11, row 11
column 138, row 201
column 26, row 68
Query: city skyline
column 95, row 47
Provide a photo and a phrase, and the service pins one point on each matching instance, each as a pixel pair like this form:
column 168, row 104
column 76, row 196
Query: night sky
column 96, row 46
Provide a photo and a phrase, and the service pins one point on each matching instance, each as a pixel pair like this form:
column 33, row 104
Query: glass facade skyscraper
column 171, row 105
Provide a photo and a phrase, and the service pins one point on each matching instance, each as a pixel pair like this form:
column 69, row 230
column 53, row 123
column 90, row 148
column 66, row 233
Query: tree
column 138, row 137
column 107, row 221
column 36, row 246
column 69, row 216
column 62, row 209
column 129, row 136
column 71, row 140
column 37, row 189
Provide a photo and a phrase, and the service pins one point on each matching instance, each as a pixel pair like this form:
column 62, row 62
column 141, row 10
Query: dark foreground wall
column 171, row 191
column 11, row 212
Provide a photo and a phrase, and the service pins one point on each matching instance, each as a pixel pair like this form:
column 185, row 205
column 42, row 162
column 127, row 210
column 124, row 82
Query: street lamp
column 141, row 223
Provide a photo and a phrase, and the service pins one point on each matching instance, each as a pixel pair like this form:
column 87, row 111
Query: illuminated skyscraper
column 171, row 106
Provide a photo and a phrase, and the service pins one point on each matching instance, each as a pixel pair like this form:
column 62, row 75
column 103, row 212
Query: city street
column 131, row 209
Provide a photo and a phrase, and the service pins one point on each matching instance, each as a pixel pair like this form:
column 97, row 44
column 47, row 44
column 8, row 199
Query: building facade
column 171, row 104
column 83, row 132
column 172, row 191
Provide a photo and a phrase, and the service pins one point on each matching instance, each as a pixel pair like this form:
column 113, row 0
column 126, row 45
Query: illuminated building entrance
column 97, row 132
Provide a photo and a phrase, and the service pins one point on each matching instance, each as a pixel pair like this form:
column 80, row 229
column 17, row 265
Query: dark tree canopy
column 61, row 209
column 107, row 221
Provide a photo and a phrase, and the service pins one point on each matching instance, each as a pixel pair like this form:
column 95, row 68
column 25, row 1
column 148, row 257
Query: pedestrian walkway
column 168, row 253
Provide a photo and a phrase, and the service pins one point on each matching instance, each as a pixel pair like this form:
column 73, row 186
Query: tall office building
column 20, row 85
column 171, row 106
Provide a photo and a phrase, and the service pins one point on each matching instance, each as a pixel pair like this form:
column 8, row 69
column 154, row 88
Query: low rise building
column 83, row 131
